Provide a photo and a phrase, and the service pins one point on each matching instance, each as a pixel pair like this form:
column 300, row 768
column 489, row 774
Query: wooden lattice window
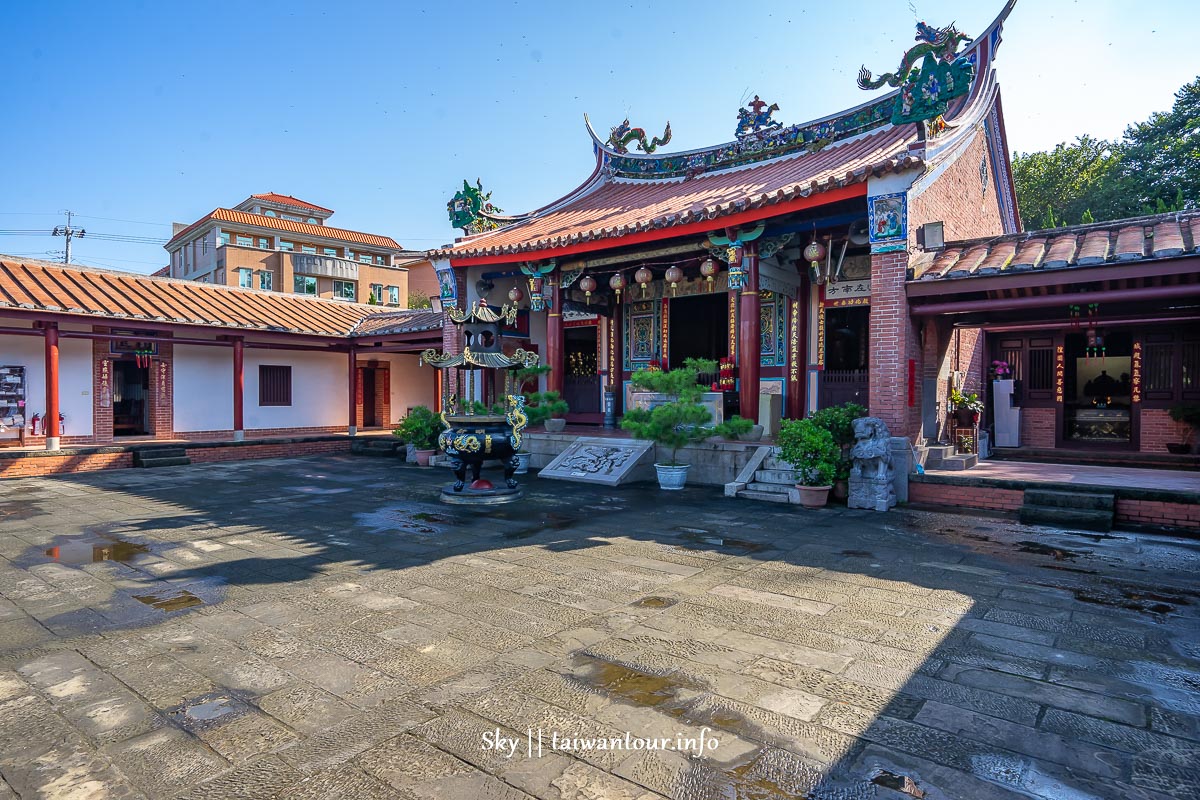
column 274, row 385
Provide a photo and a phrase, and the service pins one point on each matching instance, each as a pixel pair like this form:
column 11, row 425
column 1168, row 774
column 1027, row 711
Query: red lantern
column 674, row 276
column 515, row 294
column 643, row 277
column 617, row 283
column 708, row 268
column 588, row 284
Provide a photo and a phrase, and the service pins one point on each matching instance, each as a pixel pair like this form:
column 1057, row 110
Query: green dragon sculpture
column 622, row 135
column 941, row 43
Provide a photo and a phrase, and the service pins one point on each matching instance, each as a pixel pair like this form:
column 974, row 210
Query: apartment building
column 276, row 242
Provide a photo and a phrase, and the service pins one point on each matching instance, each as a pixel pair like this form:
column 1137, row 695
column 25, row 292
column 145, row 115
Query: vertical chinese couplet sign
column 1059, row 373
column 1136, row 390
column 794, row 344
column 665, row 318
column 733, row 327
column 105, row 382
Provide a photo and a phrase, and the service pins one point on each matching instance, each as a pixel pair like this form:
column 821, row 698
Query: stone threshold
column 159, row 444
column 1120, row 492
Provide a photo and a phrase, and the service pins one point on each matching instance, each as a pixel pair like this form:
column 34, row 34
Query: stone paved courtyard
column 323, row 628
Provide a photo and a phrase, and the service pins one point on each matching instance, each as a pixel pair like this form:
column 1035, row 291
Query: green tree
column 1059, row 186
column 1161, row 163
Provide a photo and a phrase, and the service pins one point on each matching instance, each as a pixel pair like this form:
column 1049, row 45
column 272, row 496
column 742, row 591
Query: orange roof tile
column 91, row 292
column 288, row 200
column 1121, row 241
column 615, row 208
column 279, row 224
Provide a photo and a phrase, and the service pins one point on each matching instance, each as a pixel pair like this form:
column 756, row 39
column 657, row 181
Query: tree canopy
column 1154, row 167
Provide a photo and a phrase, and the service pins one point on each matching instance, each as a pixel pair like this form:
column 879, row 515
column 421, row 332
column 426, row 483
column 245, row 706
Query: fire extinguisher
column 33, row 422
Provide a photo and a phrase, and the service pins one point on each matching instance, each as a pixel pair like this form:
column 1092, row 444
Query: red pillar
column 239, row 390
column 437, row 391
column 53, row 429
column 554, row 339
column 749, row 338
column 352, row 393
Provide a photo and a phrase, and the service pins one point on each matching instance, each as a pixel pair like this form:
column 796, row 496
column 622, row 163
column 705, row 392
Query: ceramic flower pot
column 814, row 496
column 755, row 434
column 555, row 425
column 672, row 477
column 522, row 464
column 423, row 456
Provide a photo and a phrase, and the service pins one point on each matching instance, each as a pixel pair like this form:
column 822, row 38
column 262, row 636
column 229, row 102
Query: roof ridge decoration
column 622, row 135
column 771, row 140
column 472, row 210
column 926, row 91
column 757, row 116
column 482, row 312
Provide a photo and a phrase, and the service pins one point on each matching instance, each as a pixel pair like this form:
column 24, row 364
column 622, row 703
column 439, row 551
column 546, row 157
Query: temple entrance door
column 1097, row 405
column 581, row 384
column 368, row 398
column 847, row 355
column 699, row 328
column 130, row 395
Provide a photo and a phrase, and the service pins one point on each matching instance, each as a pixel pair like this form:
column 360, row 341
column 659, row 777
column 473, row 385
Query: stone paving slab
column 255, row 631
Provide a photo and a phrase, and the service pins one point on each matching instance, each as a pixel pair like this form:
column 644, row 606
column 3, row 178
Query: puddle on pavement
column 1147, row 602
column 631, row 685
column 1057, row 553
column 209, row 710
column 92, row 547
column 404, row 517
column 170, row 601
column 655, row 602
column 701, row 536
column 858, row 553
column 1061, row 568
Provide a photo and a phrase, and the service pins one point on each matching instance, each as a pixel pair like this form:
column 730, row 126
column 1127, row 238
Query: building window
column 291, row 217
column 378, row 259
column 243, row 241
column 393, row 295
column 307, row 248
column 274, row 385
column 343, row 290
column 365, row 258
column 268, row 212
column 329, row 251
column 1159, row 377
column 266, row 280
column 204, row 247
column 288, row 246
column 263, row 243
column 246, row 278
column 312, row 221
column 305, row 285
column 377, row 292
column 224, row 238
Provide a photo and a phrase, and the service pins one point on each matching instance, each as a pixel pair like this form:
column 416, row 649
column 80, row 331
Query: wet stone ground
column 323, row 628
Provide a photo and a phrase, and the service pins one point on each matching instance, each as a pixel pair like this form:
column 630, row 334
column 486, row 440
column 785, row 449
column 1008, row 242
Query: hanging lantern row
column 643, row 277
column 674, row 276
column 708, row 268
column 814, row 254
column 515, row 294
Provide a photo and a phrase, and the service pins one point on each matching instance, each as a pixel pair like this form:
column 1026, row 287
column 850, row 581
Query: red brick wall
column 208, row 455
column 58, row 465
column 894, row 341
column 102, row 383
column 1158, row 513
column 1037, row 427
column 251, row 433
column 1157, row 430
column 957, row 198
column 162, row 387
column 984, row 497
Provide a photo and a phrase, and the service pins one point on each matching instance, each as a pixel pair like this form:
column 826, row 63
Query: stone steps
column 161, row 457
column 959, row 462
column 1091, row 511
column 774, row 488
column 377, row 446
column 769, row 497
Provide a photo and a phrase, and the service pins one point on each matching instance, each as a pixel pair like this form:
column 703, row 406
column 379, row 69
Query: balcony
column 324, row 266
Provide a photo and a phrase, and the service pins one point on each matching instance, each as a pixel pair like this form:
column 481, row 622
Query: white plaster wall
column 203, row 388
column 412, row 384
column 74, row 377
column 319, row 390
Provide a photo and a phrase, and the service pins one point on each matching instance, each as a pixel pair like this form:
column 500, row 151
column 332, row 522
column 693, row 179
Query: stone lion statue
column 871, row 472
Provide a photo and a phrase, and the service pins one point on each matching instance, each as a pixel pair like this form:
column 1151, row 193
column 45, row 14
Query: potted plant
column 967, row 407
column 420, row 429
column 1189, row 415
column 813, row 454
column 681, row 421
column 839, row 421
column 542, row 408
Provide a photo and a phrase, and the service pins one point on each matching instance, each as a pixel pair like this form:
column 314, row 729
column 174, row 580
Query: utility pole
column 70, row 233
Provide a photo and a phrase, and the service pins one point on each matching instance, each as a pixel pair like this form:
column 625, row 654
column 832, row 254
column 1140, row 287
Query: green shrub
column 420, row 428
column 839, row 421
column 810, row 450
column 684, row 420
column 541, row 406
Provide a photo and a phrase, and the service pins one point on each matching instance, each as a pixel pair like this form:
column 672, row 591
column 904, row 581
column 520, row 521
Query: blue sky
column 152, row 112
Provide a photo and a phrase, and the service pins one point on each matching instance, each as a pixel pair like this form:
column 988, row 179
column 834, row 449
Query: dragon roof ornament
column 622, row 136
column 926, row 89
column 472, row 210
